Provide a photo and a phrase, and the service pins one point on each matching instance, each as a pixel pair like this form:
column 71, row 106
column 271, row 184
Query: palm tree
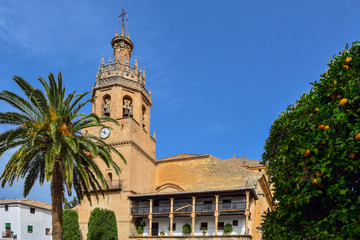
column 50, row 145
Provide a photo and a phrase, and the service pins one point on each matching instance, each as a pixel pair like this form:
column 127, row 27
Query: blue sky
column 220, row 71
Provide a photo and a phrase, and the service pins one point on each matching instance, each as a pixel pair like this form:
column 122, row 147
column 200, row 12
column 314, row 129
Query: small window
column 6, row 208
column 7, row 225
column 235, row 223
column 204, row 226
column 220, row 225
column 227, row 201
column 30, row 229
column 47, row 231
column 174, row 227
column 259, row 170
column 32, row 210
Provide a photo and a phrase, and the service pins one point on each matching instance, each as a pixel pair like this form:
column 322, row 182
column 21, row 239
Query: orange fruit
column 319, row 174
column 348, row 59
column 315, row 181
column 323, row 142
column 307, row 153
column 326, row 127
column 295, row 201
column 335, row 82
column 343, row 102
column 346, row 66
column 357, row 136
column 321, row 126
column 352, row 155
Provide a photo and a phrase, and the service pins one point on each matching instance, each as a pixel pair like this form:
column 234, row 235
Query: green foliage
column 186, row 228
column 140, row 230
column 50, row 143
column 316, row 192
column 228, row 228
column 48, row 138
column 69, row 205
column 140, row 227
column 102, row 225
column 162, row 233
column 71, row 229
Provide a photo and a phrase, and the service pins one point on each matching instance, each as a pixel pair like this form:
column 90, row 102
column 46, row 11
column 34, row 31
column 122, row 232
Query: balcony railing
column 140, row 210
column 232, row 206
column 114, row 184
column 183, row 208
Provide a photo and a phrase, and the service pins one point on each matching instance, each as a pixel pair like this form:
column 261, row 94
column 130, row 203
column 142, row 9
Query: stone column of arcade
column 247, row 211
column 171, row 215
column 193, row 217
column 150, row 217
column 216, row 214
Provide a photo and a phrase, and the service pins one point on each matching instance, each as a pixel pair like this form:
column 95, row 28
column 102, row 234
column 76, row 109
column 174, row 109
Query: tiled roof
column 29, row 202
column 199, row 191
column 244, row 162
column 179, row 156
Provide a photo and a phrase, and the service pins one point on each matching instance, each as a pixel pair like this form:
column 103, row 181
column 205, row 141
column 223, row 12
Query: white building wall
column 12, row 216
column 181, row 221
column 20, row 218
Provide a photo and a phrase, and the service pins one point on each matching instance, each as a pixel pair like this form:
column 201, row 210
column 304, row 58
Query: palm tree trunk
column 56, row 198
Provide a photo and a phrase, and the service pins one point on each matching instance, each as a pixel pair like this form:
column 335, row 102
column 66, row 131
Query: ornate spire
column 122, row 30
column 102, row 60
column 136, row 64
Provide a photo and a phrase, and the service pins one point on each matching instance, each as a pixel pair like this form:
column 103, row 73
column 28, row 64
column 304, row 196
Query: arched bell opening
column 127, row 107
column 106, row 105
column 143, row 116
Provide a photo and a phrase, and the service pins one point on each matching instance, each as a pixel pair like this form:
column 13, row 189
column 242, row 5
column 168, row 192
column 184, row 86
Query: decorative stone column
column 247, row 211
column 150, row 217
column 171, row 216
column 216, row 214
column 193, row 217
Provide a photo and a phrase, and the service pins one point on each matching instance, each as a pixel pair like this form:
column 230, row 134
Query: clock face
column 104, row 132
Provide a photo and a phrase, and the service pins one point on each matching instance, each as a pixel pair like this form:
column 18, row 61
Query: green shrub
column 140, row 230
column 70, row 225
column 312, row 156
column 186, row 228
column 162, row 233
column 102, row 225
column 228, row 228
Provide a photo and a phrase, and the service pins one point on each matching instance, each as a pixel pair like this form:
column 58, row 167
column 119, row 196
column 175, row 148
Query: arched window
column 127, row 107
column 110, row 176
column 143, row 116
column 106, row 105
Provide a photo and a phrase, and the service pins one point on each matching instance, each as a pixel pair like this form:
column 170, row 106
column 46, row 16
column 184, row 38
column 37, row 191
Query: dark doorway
column 155, row 229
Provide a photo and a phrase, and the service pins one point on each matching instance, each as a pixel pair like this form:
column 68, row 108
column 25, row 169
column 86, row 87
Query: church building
column 201, row 192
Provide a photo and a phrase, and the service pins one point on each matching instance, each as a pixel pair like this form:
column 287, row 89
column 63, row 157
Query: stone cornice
column 123, row 82
column 134, row 145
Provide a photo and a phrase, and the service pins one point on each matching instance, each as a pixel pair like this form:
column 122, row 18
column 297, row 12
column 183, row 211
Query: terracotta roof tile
column 29, row 202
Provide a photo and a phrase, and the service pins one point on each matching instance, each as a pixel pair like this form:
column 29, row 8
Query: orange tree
column 313, row 158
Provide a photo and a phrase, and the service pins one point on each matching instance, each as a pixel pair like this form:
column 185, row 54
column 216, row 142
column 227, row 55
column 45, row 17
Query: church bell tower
column 120, row 88
column 120, row 93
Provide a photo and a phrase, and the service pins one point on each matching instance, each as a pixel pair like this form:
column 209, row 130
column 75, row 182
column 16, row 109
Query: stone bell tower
column 119, row 92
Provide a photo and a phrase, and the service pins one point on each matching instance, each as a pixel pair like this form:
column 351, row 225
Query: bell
column 126, row 112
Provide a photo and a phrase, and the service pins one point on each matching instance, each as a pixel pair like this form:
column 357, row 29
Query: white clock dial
column 104, row 132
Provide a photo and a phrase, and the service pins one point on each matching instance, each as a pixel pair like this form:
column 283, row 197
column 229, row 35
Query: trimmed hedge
column 102, row 225
column 70, row 225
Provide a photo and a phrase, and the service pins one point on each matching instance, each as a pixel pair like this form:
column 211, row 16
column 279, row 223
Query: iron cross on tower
column 122, row 15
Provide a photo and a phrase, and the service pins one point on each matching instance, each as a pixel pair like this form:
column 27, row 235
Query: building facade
column 25, row 219
column 163, row 195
